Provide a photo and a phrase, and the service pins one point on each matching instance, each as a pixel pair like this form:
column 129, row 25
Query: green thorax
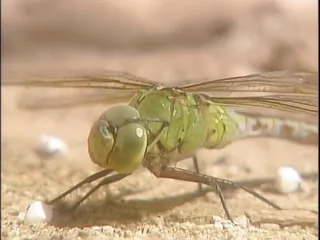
column 194, row 122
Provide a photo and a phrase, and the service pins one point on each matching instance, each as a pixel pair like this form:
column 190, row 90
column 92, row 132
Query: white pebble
column 38, row 212
column 50, row 146
column 287, row 180
column 218, row 225
column 242, row 221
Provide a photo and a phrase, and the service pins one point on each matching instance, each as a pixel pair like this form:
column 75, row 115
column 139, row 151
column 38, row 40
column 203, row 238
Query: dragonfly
column 155, row 126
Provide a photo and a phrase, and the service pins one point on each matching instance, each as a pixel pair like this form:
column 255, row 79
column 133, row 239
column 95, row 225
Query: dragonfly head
column 117, row 140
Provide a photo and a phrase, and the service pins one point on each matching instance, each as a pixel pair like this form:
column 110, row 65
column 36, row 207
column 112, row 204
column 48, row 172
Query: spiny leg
column 105, row 181
column 197, row 169
column 89, row 179
column 190, row 176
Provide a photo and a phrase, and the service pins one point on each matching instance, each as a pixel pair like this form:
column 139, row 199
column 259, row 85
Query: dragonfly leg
column 197, row 169
column 89, row 179
column 105, row 181
column 190, row 176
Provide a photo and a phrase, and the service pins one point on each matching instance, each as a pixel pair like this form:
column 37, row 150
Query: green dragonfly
column 162, row 125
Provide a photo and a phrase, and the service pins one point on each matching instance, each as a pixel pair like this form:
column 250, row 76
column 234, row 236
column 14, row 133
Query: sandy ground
column 170, row 45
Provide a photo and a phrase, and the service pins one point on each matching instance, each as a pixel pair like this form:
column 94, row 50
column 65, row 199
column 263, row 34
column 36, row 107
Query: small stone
column 38, row 212
column 287, row 180
column 50, row 146
column 242, row 221
column 218, row 225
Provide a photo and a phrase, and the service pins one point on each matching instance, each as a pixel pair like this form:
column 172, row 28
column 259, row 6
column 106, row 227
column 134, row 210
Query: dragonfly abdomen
column 296, row 131
column 222, row 127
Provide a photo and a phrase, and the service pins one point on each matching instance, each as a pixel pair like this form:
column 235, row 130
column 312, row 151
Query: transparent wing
column 277, row 81
column 109, row 80
column 111, row 88
column 281, row 90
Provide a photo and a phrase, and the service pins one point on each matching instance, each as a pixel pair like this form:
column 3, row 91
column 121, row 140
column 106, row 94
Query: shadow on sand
column 117, row 212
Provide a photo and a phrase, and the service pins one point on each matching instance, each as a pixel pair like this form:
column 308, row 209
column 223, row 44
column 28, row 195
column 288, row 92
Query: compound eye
column 116, row 142
column 100, row 142
column 129, row 149
column 119, row 115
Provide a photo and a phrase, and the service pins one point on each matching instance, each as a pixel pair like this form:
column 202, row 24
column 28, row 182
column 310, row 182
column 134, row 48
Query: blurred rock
column 50, row 146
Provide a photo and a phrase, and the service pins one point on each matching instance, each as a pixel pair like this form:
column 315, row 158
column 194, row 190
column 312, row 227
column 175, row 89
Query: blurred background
column 162, row 40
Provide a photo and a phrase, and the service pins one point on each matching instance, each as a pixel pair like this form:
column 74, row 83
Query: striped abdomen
column 255, row 126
